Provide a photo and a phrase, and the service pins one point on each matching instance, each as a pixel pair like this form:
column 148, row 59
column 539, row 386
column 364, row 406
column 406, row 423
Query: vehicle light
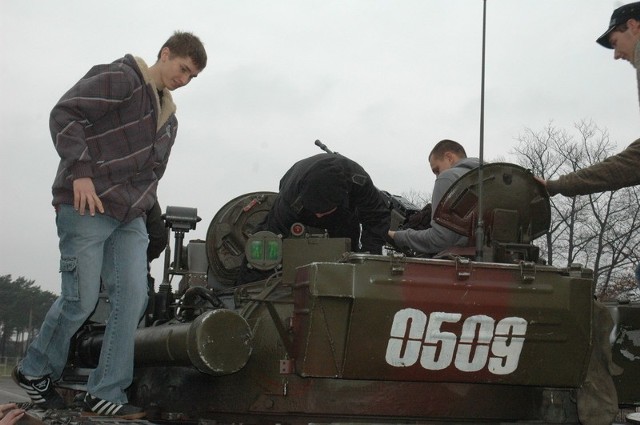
column 297, row 229
column 264, row 250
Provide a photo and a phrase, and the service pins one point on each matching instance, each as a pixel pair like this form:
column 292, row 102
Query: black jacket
column 325, row 181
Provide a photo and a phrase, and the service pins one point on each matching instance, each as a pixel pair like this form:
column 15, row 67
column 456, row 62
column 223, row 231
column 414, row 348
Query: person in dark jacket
column 113, row 130
column 332, row 192
column 157, row 231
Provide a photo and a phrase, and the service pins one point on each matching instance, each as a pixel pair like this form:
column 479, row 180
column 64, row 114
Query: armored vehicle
column 485, row 334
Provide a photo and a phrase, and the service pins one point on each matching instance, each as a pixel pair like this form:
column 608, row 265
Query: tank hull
column 383, row 340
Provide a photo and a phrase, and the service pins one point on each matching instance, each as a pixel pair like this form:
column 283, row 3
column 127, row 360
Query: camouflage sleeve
column 613, row 173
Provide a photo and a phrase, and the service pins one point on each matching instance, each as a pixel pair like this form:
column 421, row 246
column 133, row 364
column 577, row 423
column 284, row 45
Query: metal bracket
column 527, row 271
column 287, row 366
column 463, row 268
column 397, row 266
column 282, row 331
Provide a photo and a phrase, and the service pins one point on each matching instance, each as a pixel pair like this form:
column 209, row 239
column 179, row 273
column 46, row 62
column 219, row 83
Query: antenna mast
column 480, row 225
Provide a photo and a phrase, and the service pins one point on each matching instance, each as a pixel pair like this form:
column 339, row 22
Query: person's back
column 332, row 192
column 448, row 177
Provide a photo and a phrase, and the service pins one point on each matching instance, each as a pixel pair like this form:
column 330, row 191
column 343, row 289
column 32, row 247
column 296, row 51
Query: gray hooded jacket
column 437, row 238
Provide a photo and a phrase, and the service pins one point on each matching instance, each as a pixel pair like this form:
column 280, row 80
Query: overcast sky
column 380, row 81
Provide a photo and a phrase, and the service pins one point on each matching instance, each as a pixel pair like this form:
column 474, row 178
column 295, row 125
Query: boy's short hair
column 185, row 44
column 447, row 145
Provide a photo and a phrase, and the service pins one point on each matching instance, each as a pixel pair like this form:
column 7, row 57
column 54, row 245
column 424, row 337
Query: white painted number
column 439, row 346
column 482, row 343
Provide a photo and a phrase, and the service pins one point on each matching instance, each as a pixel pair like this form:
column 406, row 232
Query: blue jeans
column 92, row 248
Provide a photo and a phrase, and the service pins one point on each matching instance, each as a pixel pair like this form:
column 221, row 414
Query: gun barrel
column 323, row 146
column 218, row 342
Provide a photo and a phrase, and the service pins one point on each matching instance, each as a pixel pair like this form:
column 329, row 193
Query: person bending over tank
column 332, row 192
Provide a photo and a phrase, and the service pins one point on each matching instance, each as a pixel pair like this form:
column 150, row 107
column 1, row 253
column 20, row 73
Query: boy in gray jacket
column 449, row 162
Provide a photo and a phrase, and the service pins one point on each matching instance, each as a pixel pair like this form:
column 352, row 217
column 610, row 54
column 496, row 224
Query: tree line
column 24, row 306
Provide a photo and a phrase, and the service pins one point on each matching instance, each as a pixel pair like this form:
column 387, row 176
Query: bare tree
column 599, row 230
column 416, row 197
column 625, row 286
